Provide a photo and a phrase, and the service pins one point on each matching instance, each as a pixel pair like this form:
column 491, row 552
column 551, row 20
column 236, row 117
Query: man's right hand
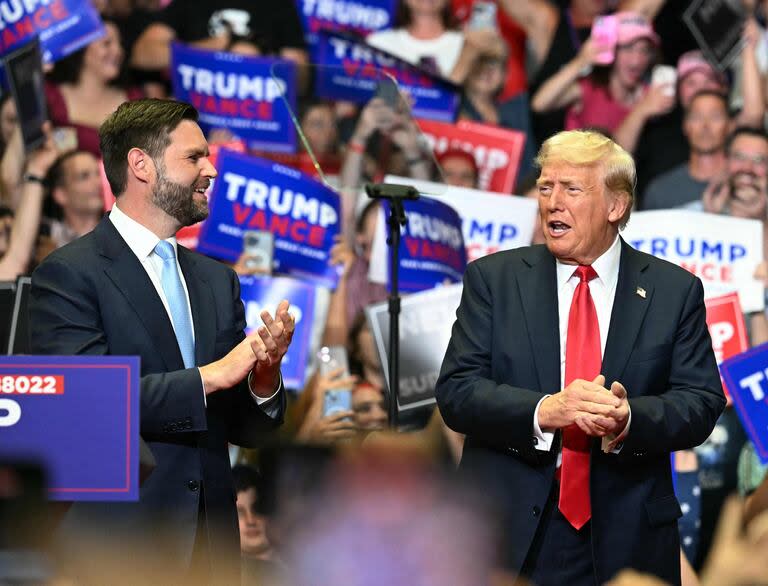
column 580, row 402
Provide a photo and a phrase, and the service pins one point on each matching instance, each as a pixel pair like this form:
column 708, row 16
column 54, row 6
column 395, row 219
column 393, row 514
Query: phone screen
column 258, row 246
column 24, row 68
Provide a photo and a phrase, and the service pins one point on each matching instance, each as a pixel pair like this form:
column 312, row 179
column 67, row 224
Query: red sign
column 497, row 151
column 725, row 321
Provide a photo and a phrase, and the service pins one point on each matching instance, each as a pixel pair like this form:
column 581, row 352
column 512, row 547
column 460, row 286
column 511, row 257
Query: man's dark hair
column 55, row 176
column 246, row 477
column 712, row 93
column 144, row 124
column 744, row 131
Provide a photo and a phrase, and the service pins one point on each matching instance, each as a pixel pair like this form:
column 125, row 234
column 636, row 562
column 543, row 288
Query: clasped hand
column 587, row 404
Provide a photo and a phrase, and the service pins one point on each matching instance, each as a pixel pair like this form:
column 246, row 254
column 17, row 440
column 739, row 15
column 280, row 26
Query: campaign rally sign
column 426, row 320
column 726, row 326
column 240, row 93
column 259, row 293
column 490, row 221
column 722, row 251
column 78, row 417
column 63, row 26
column 348, row 69
column 255, row 194
column 746, row 378
column 431, row 245
column 497, row 151
column 355, row 16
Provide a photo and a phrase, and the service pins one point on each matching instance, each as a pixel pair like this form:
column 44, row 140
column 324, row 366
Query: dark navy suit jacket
column 504, row 355
column 94, row 297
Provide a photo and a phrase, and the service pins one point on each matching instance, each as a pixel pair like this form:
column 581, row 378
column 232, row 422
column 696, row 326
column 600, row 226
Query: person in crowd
column 259, row 559
column 459, row 168
column 238, row 26
column 314, row 425
column 319, row 125
column 84, row 88
column 369, row 408
column 8, row 118
column 26, row 220
column 128, row 289
column 653, row 133
column 705, row 126
column 605, row 97
column 76, row 188
column 425, row 35
column 480, row 103
column 605, row 501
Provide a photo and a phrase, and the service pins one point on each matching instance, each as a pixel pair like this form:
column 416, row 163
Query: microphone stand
column 395, row 195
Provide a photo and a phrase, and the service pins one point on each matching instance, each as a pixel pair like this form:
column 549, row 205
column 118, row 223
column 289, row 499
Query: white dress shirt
column 142, row 242
column 603, row 292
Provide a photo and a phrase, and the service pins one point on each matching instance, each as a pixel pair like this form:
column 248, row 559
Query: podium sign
column 78, row 417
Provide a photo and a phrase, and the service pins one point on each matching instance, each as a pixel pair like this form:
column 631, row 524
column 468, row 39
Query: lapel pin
column 641, row 292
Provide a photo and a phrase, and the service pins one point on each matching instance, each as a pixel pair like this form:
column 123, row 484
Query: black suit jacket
column 94, row 297
column 504, row 356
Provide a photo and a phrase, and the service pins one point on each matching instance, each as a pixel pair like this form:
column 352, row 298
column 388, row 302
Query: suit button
column 536, row 511
column 193, row 485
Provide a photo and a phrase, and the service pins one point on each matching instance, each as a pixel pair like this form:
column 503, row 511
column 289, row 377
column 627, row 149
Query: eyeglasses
column 739, row 157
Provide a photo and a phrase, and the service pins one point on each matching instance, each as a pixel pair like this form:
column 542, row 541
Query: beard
column 177, row 200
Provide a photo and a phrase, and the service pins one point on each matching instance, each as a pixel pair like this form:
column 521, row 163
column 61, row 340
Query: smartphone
column 65, row 139
column 336, row 401
column 386, row 90
column 605, row 36
column 483, row 15
column 332, row 358
column 664, row 75
column 259, row 248
column 24, row 70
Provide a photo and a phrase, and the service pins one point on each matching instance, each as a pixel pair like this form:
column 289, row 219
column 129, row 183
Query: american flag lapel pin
column 641, row 292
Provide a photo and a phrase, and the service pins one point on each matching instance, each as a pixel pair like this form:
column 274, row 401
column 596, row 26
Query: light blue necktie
column 177, row 301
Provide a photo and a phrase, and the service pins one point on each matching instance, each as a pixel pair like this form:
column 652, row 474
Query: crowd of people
column 339, row 498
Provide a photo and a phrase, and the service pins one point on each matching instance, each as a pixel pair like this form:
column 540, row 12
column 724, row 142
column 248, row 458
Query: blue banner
column 238, row 93
column 746, row 377
column 431, row 247
column 78, row 416
column 64, row 26
column 351, row 70
column 355, row 16
column 260, row 293
column 256, row 194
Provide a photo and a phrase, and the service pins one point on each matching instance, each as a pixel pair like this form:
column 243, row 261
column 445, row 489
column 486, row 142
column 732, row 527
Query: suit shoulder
column 79, row 253
column 506, row 259
column 207, row 264
column 665, row 271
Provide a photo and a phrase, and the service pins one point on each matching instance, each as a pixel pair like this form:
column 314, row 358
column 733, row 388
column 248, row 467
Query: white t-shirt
column 398, row 42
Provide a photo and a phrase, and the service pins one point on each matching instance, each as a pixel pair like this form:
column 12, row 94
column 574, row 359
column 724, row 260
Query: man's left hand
column 269, row 348
column 612, row 424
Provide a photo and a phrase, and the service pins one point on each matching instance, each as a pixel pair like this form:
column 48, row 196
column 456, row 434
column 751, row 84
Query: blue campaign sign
column 259, row 293
column 432, row 246
column 746, row 376
column 239, row 93
column 348, row 69
column 79, row 417
column 251, row 193
column 64, row 26
column 355, row 16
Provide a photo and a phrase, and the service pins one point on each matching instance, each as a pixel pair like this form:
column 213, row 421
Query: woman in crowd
column 425, row 36
column 604, row 97
column 86, row 87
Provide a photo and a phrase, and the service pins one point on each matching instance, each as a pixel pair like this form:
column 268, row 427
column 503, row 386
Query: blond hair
column 587, row 148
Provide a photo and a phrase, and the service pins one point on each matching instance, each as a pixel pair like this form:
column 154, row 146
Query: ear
column 140, row 165
column 618, row 207
column 59, row 196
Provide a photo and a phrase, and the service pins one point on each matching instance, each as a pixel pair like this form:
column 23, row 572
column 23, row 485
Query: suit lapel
column 537, row 283
column 202, row 306
column 634, row 291
column 132, row 280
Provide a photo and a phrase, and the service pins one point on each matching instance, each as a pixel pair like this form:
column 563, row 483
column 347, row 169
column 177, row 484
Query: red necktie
column 583, row 360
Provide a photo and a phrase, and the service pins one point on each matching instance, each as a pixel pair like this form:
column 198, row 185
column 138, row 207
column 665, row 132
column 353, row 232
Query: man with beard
column 705, row 127
column 129, row 289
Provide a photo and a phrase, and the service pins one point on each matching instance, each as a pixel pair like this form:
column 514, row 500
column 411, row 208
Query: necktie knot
column 585, row 273
column 164, row 250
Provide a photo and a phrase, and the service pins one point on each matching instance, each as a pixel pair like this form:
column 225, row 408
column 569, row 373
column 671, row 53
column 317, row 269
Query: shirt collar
column 140, row 239
column 606, row 266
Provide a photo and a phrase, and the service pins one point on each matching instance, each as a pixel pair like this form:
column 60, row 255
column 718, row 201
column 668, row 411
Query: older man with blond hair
column 574, row 369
